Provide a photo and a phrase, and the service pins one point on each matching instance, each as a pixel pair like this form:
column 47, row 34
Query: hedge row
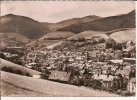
column 15, row 71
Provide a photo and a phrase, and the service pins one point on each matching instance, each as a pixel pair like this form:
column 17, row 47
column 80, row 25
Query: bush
column 81, row 39
column 10, row 70
column 27, row 74
column 2, row 56
column 94, row 86
column 104, row 88
column 18, row 72
column 7, row 69
column 74, row 81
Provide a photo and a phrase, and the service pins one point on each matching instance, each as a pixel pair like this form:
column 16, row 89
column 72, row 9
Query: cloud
column 55, row 11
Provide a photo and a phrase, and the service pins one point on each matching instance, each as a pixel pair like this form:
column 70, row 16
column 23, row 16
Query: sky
column 56, row 11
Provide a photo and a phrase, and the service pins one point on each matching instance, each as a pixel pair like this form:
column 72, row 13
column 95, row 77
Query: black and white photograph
column 61, row 48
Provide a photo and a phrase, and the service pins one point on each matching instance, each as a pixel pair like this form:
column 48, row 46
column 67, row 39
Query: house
column 131, row 87
column 128, row 49
column 92, row 56
column 129, row 60
column 108, row 81
column 120, row 72
column 98, row 70
column 96, row 38
column 114, row 62
column 13, row 48
column 59, row 76
column 81, row 66
column 30, row 65
column 7, row 54
column 129, row 43
column 104, row 79
column 31, row 56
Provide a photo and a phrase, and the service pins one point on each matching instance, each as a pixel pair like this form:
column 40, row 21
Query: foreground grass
column 13, row 90
column 17, row 85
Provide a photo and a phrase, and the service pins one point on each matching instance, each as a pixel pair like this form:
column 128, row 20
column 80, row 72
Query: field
column 42, row 42
column 14, row 38
column 58, row 34
column 126, row 35
column 27, row 86
column 9, row 89
column 89, row 34
column 17, row 67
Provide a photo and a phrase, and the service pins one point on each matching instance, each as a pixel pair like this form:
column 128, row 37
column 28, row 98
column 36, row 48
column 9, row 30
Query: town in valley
column 92, row 52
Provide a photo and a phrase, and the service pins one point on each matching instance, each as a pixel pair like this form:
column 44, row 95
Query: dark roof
column 59, row 75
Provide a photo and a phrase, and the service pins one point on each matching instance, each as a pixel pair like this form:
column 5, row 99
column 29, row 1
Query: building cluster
column 114, row 69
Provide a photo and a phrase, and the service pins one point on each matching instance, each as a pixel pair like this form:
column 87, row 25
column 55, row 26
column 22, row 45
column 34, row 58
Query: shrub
column 94, row 86
column 27, row 74
column 7, row 69
column 18, row 72
column 11, row 70
column 2, row 56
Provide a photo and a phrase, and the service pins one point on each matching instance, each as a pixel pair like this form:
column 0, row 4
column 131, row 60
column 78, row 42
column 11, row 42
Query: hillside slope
column 51, row 38
column 73, row 21
column 17, row 67
column 23, row 25
column 58, row 34
column 39, row 87
column 104, row 24
column 89, row 34
column 125, row 35
column 42, row 42
column 12, row 38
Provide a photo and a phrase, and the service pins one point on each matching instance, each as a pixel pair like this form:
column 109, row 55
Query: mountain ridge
column 105, row 24
column 25, row 26
column 72, row 21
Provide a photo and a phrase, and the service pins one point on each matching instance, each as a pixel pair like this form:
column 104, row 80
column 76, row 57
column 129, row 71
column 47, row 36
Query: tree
column 82, row 39
column 96, row 84
column 110, row 42
column 27, row 74
column 94, row 41
column 114, row 46
column 119, row 46
column 2, row 56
